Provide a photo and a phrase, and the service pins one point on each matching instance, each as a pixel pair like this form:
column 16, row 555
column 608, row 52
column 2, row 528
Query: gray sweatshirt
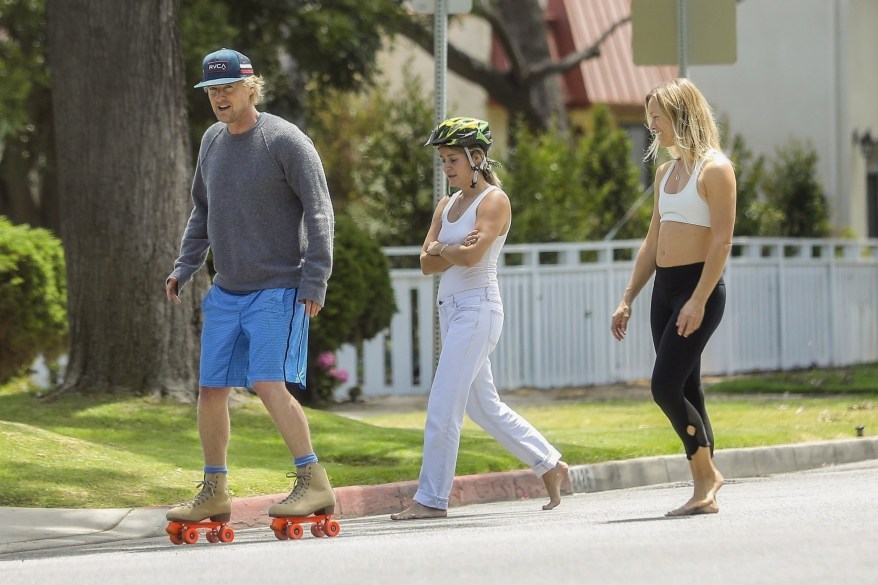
column 262, row 205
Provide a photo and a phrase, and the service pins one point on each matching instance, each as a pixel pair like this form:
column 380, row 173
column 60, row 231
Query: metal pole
column 440, row 55
column 682, row 36
column 629, row 214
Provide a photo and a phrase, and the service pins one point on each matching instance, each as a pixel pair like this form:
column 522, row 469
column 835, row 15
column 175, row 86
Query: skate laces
column 207, row 490
column 298, row 488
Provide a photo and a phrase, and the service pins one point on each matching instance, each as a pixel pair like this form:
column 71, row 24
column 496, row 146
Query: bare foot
column 693, row 507
column 716, row 483
column 702, row 504
column 418, row 512
column 553, row 480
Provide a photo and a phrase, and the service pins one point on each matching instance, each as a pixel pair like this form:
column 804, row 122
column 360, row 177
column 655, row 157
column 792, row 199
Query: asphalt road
column 817, row 526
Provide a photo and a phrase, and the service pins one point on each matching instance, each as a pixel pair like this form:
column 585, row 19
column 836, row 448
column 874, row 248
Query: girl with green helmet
column 470, row 134
column 463, row 244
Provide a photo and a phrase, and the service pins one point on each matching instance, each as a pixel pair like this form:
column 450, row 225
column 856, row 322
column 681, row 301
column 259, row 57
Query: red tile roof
column 612, row 78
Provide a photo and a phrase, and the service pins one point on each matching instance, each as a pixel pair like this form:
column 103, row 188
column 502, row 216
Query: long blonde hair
column 695, row 130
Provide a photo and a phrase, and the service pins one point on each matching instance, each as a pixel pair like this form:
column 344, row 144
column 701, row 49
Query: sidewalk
column 25, row 529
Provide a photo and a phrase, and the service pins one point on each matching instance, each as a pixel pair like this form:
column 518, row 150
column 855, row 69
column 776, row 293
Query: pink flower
column 326, row 360
column 340, row 375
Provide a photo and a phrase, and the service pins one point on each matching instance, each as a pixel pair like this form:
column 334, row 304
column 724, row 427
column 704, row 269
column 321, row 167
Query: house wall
column 473, row 35
column 463, row 98
column 861, row 106
column 805, row 71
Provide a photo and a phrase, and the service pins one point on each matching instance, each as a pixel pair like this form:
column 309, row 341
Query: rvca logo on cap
column 215, row 66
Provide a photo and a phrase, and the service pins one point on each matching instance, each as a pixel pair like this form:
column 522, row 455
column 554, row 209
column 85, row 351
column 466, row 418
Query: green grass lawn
column 861, row 380
column 111, row 452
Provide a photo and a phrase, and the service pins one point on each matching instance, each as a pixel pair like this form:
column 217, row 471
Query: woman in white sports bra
column 687, row 246
column 464, row 241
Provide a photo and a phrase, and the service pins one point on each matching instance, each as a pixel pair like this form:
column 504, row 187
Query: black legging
column 676, row 377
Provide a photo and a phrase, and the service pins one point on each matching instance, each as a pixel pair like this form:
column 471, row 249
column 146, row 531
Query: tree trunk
column 28, row 193
column 526, row 22
column 532, row 88
column 16, row 201
column 124, row 170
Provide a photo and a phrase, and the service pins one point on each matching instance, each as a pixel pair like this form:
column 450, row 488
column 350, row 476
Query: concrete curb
column 358, row 501
column 734, row 463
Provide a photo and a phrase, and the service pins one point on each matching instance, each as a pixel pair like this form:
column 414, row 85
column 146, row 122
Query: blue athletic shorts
column 260, row 336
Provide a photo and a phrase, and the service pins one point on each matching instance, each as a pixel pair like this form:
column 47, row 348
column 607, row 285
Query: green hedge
column 359, row 304
column 33, row 297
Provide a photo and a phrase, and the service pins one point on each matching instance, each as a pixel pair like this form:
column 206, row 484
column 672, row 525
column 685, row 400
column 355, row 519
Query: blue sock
column 216, row 469
column 303, row 461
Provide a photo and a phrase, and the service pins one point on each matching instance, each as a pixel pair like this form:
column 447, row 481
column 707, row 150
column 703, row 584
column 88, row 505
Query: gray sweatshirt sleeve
column 305, row 175
column 194, row 246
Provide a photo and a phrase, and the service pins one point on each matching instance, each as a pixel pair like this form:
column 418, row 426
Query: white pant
column 470, row 324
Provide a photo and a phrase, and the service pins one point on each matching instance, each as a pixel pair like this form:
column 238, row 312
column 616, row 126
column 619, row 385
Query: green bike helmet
column 465, row 133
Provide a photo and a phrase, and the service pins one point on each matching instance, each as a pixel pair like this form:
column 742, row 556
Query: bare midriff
column 680, row 244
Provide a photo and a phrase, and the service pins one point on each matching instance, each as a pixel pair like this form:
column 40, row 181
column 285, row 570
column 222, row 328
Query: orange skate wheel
column 316, row 530
column 278, row 524
column 331, row 528
column 174, row 528
column 226, row 534
column 176, row 538
column 190, row 536
column 294, row 531
column 212, row 536
column 281, row 534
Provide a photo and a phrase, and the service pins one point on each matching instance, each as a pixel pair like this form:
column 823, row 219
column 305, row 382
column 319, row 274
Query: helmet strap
column 475, row 168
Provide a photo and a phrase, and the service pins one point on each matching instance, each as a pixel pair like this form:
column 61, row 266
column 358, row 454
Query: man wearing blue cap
column 262, row 206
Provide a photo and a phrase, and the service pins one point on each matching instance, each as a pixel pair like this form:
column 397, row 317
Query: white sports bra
column 686, row 206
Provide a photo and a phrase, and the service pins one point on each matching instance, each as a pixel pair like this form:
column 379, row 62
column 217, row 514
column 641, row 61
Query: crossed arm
column 492, row 220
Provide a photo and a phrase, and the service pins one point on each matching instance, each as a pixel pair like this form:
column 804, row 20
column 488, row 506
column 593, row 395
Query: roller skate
column 311, row 501
column 213, row 502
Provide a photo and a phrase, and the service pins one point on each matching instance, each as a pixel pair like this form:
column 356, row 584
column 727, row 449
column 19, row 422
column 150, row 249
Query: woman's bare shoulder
column 717, row 160
column 497, row 194
column 718, row 176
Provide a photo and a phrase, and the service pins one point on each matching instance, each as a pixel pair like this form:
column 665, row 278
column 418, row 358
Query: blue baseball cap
column 225, row 66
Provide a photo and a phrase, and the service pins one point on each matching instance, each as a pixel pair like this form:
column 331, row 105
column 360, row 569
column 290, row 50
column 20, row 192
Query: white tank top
column 460, row 278
column 686, row 206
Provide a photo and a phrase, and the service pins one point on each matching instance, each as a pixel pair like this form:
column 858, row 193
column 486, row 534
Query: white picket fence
column 791, row 303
